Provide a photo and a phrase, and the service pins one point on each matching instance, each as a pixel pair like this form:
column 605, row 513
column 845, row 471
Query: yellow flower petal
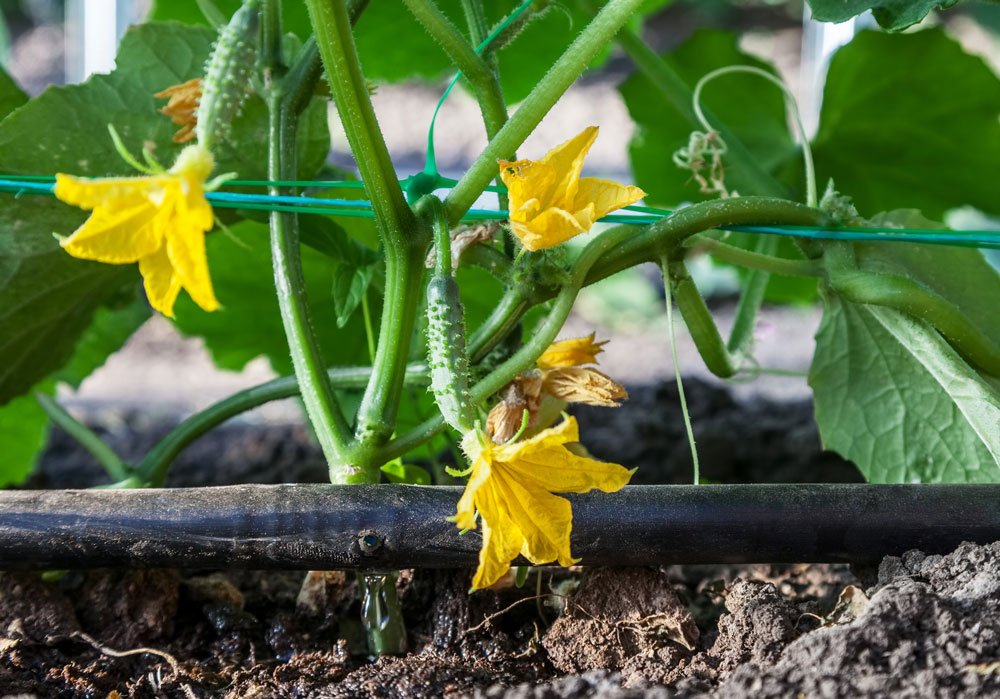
column 605, row 195
column 161, row 284
column 543, row 519
column 545, row 461
column 549, row 203
column 502, row 540
column 465, row 515
column 575, row 351
column 116, row 236
column 566, row 160
column 186, row 249
column 122, row 192
column 547, row 229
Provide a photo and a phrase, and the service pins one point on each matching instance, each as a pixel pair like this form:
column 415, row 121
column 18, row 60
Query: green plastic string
column 361, row 208
column 430, row 164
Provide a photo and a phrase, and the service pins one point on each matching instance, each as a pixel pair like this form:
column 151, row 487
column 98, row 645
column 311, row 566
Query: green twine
column 430, row 179
column 643, row 215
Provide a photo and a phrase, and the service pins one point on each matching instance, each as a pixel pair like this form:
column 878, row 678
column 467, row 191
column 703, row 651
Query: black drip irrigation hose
column 396, row 526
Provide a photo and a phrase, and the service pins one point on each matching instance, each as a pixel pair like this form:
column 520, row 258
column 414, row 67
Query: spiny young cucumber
column 447, row 355
column 230, row 67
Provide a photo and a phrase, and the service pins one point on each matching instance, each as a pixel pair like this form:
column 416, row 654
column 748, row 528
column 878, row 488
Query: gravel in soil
column 919, row 626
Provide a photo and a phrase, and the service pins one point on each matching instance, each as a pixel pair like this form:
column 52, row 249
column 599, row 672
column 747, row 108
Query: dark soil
column 920, row 626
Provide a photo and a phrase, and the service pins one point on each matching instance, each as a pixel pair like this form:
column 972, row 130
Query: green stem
column 529, row 353
column 473, row 66
column 475, row 18
column 377, row 414
column 480, row 72
column 332, row 430
column 537, row 104
column 700, row 322
column 506, row 316
column 649, row 243
column 271, row 58
column 489, row 258
column 489, row 94
column 153, row 468
column 752, row 298
column 85, row 437
column 753, row 260
column 332, row 29
column 404, row 239
column 665, row 270
column 610, row 252
column 916, row 301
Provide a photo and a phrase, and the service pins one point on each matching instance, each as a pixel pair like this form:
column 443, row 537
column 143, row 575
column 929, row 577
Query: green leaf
column 23, row 423
column 11, row 96
column 24, row 427
column 893, row 15
column 751, row 108
column 74, row 118
column 151, row 58
column 398, row 472
column 893, row 397
column 294, row 14
column 350, row 286
column 249, row 323
column 47, row 298
column 910, row 120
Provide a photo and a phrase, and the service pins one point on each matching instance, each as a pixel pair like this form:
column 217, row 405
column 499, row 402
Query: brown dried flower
column 559, row 377
column 182, row 107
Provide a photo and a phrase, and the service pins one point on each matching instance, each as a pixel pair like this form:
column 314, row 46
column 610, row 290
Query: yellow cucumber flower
column 159, row 221
column 549, row 201
column 511, row 487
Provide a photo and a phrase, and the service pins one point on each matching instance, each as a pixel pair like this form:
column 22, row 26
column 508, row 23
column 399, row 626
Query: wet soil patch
column 918, row 626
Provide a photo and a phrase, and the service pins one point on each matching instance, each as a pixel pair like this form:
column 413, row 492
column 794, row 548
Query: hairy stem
column 332, row 430
column 404, row 238
column 332, row 29
column 754, row 260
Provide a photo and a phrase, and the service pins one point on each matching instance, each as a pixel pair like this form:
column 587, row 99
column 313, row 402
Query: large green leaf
column 11, row 96
column 249, row 323
column 154, row 56
column 47, row 298
column 893, row 15
column 750, row 108
column 910, row 120
column 893, row 397
column 24, row 425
